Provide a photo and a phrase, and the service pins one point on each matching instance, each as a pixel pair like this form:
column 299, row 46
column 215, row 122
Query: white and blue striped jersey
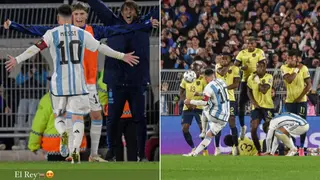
column 286, row 119
column 66, row 44
column 218, row 103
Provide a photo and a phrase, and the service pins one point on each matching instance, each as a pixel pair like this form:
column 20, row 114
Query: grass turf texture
column 177, row 167
column 83, row 171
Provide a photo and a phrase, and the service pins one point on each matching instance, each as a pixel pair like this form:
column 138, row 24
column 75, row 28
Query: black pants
column 83, row 157
column 118, row 95
column 127, row 127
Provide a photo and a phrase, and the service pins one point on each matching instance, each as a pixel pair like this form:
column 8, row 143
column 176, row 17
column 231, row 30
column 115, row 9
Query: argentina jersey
column 287, row 119
column 66, row 44
column 219, row 105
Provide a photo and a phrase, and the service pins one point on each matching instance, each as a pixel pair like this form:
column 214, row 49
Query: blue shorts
column 298, row 109
column 233, row 108
column 262, row 113
column 187, row 116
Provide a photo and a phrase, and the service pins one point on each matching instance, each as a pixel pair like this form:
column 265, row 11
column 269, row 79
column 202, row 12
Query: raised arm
column 104, row 13
column 93, row 45
column 27, row 29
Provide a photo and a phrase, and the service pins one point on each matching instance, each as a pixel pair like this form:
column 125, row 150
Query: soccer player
column 188, row 91
column 247, row 60
column 283, row 126
column 230, row 74
column 217, row 112
column 68, row 87
column 246, row 146
column 90, row 64
column 298, row 83
column 259, row 93
column 126, row 83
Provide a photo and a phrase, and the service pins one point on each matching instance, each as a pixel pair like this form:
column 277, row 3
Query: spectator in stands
column 44, row 137
column 31, row 82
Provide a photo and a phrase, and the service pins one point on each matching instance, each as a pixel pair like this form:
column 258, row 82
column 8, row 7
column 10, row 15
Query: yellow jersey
column 232, row 73
column 296, row 87
column 247, row 148
column 250, row 59
column 197, row 85
column 263, row 100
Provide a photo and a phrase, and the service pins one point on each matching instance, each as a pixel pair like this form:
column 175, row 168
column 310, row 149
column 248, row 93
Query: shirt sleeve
column 306, row 73
column 235, row 71
column 261, row 55
column 183, row 84
column 249, row 83
column 90, row 43
column 284, row 70
column 47, row 38
column 239, row 57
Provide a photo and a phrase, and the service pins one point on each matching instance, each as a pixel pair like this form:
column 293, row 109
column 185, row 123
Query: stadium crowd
column 201, row 30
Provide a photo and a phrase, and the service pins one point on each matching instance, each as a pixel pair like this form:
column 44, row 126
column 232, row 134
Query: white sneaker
column 96, row 158
column 202, row 135
column 217, row 152
column 64, row 151
column 243, row 132
column 292, row 152
column 235, row 151
column 189, row 154
column 2, row 146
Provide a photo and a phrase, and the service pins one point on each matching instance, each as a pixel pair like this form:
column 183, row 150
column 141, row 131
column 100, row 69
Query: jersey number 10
column 63, row 54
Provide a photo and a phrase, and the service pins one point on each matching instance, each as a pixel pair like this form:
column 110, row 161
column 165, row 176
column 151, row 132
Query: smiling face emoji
column 49, row 174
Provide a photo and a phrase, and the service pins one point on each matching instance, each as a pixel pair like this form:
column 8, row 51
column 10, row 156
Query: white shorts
column 78, row 105
column 297, row 130
column 94, row 98
column 215, row 125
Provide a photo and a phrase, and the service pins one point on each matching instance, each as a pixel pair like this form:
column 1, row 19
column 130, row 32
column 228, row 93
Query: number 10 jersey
column 66, row 44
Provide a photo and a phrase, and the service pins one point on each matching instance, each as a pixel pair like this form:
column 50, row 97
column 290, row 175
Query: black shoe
column 110, row 156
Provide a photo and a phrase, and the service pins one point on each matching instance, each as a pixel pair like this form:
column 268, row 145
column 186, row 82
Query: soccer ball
column 189, row 76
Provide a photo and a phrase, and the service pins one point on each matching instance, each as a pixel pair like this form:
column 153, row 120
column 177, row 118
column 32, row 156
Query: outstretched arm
column 93, row 45
column 104, row 13
column 27, row 29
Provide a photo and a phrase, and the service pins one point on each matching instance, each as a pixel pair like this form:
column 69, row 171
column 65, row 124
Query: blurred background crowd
column 201, row 30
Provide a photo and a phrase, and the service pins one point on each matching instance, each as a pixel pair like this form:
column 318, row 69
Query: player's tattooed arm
column 290, row 77
column 235, row 84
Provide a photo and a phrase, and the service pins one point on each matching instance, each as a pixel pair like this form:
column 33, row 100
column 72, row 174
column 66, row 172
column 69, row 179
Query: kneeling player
column 282, row 127
column 217, row 112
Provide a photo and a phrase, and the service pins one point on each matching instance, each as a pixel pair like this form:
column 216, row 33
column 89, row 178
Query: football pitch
column 83, row 171
column 177, row 167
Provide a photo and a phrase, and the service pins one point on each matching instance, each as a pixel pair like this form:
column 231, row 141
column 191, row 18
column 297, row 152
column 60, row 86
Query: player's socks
column 70, row 132
column 78, row 130
column 256, row 142
column 204, row 143
column 217, row 139
column 241, row 118
column 302, row 139
column 95, row 133
column 60, row 125
column 275, row 145
column 286, row 140
column 188, row 138
column 234, row 132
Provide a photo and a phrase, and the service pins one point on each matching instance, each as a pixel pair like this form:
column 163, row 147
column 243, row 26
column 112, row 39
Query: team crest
column 198, row 83
column 254, row 55
column 263, row 81
column 229, row 71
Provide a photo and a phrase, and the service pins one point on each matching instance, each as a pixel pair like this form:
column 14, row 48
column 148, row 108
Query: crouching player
column 282, row 127
column 215, row 96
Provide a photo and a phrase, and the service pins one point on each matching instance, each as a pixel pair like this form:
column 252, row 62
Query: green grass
column 83, row 171
column 177, row 167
